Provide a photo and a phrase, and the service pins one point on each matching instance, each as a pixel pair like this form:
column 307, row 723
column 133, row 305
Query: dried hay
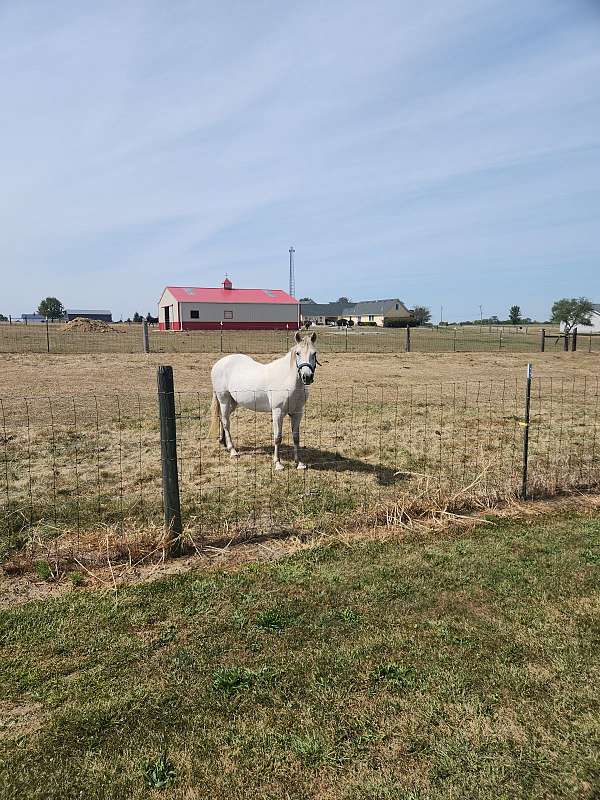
column 84, row 325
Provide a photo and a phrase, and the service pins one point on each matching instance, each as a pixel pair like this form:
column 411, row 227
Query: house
column 198, row 308
column 383, row 313
column 321, row 313
column 594, row 318
column 73, row 313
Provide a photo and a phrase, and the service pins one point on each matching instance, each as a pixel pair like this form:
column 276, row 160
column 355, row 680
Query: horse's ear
column 313, row 337
column 298, row 337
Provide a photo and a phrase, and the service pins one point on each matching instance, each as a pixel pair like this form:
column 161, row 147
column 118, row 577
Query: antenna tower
column 292, row 276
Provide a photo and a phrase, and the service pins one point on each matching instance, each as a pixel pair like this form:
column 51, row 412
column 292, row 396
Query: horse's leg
column 227, row 407
column 296, row 419
column 277, row 435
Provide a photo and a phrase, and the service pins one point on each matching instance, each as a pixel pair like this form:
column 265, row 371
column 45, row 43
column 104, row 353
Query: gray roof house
column 364, row 311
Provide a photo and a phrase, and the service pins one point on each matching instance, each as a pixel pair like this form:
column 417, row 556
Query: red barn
column 191, row 308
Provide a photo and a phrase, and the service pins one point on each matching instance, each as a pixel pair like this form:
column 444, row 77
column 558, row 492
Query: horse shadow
column 330, row 461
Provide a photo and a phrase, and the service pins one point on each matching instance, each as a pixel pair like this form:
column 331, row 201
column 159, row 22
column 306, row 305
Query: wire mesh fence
column 123, row 338
column 80, row 471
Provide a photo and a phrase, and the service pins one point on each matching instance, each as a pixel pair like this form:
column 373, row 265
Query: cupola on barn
column 189, row 308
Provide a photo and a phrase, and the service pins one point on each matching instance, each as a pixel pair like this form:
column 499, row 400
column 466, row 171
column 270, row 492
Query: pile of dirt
column 83, row 325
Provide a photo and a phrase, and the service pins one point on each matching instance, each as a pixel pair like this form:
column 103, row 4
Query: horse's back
column 237, row 374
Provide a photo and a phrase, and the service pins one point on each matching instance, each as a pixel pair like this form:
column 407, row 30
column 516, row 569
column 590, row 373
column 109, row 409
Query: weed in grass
column 347, row 615
column 396, row 675
column 44, row 570
column 591, row 557
column 274, row 619
column 159, row 773
column 233, row 679
column 76, row 578
column 310, row 749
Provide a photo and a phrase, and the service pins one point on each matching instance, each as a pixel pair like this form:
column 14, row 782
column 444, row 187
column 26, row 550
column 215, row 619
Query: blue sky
column 445, row 153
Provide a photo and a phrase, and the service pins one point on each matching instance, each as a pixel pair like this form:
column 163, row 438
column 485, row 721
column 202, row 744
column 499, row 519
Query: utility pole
column 481, row 315
column 292, row 291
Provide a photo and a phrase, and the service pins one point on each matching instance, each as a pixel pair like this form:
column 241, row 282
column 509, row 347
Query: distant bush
column 368, row 324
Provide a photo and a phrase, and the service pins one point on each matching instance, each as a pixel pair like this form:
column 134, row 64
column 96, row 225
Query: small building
column 104, row 316
column 33, row 319
column 213, row 308
column 594, row 319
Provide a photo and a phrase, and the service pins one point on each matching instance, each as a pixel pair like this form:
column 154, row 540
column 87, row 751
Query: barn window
column 371, row 317
column 397, row 306
column 228, row 315
column 194, row 314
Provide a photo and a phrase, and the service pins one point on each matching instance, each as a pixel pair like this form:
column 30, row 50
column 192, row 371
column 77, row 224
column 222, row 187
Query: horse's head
column 305, row 355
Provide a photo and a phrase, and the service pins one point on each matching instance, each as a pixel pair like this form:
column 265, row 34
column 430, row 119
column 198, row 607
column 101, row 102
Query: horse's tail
column 215, row 416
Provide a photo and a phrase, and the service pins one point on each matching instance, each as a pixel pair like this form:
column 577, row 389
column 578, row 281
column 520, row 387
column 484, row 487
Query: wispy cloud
column 446, row 153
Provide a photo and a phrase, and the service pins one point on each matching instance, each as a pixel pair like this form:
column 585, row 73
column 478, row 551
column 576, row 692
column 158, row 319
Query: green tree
column 421, row 315
column 137, row 317
column 3, row 318
column 306, row 300
column 514, row 314
column 52, row 308
column 343, row 300
column 572, row 311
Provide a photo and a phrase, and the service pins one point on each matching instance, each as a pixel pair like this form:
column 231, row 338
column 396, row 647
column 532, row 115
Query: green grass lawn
column 457, row 667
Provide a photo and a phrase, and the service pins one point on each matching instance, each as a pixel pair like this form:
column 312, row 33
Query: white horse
column 279, row 387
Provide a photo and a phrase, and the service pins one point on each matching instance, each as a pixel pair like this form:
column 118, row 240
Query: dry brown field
column 383, row 435
column 35, row 374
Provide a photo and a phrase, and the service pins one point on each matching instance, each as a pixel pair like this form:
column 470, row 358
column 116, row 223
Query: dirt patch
column 19, row 719
column 83, row 325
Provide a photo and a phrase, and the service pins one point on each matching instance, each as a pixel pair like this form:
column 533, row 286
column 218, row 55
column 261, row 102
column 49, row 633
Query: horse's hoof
column 300, row 465
column 279, row 466
column 233, row 453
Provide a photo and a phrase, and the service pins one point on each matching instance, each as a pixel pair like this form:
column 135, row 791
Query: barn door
column 167, row 318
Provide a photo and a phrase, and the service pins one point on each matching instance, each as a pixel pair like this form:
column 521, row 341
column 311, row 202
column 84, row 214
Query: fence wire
column 77, row 469
column 123, row 338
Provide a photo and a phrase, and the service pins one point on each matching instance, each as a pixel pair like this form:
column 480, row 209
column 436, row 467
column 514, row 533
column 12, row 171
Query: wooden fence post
column 542, row 340
column 566, row 342
column 168, row 457
column 407, row 344
column 145, row 337
column 47, row 337
column 574, row 340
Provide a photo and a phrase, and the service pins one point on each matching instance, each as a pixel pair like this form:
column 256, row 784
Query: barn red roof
column 198, row 294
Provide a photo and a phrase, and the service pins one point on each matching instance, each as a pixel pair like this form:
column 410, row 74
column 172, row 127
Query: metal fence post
column 47, row 337
column 542, row 340
column 168, row 457
column 526, row 432
column 221, row 335
column 346, row 338
column 407, row 344
column 574, row 340
column 145, row 337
